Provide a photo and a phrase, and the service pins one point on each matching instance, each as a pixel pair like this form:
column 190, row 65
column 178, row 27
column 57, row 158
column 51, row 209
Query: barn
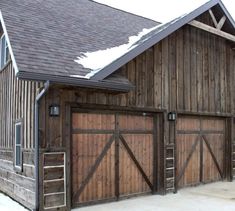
column 98, row 105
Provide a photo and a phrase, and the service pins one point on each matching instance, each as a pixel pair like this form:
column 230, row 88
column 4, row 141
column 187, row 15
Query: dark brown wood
column 201, row 160
column 212, row 155
column 190, row 72
column 156, row 140
column 94, row 167
column 180, row 174
column 120, row 168
column 207, row 161
column 117, row 173
column 136, row 162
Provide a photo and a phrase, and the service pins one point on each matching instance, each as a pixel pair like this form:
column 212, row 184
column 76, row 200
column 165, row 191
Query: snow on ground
column 7, row 204
column 218, row 196
column 211, row 197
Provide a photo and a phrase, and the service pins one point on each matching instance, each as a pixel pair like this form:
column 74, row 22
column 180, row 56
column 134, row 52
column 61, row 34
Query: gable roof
column 157, row 35
column 46, row 37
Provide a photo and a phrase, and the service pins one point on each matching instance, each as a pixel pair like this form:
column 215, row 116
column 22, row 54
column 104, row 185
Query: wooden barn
column 97, row 104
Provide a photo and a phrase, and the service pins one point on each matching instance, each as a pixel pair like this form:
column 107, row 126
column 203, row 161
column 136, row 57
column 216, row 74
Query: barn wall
column 190, row 71
column 17, row 102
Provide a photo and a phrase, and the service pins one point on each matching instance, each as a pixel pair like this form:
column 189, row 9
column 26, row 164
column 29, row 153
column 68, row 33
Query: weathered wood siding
column 189, row 71
column 200, row 150
column 112, row 156
column 17, row 102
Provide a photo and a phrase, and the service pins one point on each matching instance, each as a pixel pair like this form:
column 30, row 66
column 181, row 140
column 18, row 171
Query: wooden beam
column 128, row 149
column 182, row 171
column 212, row 30
column 213, row 156
column 213, row 18
column 221, row 22
column 94, row 167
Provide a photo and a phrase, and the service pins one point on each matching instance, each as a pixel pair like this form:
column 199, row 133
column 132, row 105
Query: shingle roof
column 47, row 36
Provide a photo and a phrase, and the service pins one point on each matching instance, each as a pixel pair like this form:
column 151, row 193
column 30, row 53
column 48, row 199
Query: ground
column 218, row 196
column 7, row 204
column 211, row 197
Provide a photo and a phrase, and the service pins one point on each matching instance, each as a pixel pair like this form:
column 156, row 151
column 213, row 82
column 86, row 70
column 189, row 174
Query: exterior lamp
column 54, row 110
column 171, row 116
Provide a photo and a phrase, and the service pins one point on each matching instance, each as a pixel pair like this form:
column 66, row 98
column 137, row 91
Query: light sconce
column 54, row 110
column 171, row 116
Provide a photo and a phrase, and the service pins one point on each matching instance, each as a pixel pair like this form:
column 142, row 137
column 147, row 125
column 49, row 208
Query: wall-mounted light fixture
column 171, row 116
column 54, row 110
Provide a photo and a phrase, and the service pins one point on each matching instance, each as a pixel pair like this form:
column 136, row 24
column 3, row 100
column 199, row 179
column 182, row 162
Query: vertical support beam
column 163, row 133
column 228, row 149
column 68, row 139
column 117, row 191
column 201, row 152
column 175, row 159
column 156, row 139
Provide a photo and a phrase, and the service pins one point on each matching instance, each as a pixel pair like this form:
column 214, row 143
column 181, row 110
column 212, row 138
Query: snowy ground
column 7, row 204
column 213, row 197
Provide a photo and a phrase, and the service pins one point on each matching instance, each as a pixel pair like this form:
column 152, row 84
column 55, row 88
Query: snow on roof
column 157, row 10
column 150, row 9
column 97, row 60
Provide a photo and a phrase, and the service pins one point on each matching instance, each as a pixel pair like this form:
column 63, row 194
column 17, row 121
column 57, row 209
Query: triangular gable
column 161, row 34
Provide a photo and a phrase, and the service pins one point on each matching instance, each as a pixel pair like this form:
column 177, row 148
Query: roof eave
column 85, row 83
column 231, row 20
column 9, row 43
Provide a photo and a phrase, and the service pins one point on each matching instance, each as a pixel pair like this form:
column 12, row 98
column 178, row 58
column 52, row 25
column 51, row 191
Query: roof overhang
column 105, row 85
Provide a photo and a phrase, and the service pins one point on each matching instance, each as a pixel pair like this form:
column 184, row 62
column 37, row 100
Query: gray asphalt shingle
column 48, row 35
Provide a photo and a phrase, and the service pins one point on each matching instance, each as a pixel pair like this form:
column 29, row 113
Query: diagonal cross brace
column 94, row 167
column 136, row 162
column 212, row 155
column 188, row 159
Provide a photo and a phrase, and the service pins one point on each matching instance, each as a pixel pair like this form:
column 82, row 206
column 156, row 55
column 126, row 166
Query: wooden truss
column 217, row 29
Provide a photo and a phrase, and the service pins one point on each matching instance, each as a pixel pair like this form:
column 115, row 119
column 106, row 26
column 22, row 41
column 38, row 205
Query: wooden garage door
column 112, row 156
column 199, row 150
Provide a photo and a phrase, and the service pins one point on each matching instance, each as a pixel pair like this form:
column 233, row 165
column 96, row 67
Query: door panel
column 188, row 159
column 203, row 163
column 131, row 179
column 112, row 156
column 210, row 170
column 87, row 148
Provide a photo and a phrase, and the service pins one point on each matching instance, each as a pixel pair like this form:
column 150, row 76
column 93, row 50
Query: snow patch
column 97, row 60
column 7, row 204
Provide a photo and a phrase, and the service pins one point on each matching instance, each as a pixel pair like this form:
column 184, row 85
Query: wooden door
column 112, row 156
column 199, row 150
column 135, row 154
